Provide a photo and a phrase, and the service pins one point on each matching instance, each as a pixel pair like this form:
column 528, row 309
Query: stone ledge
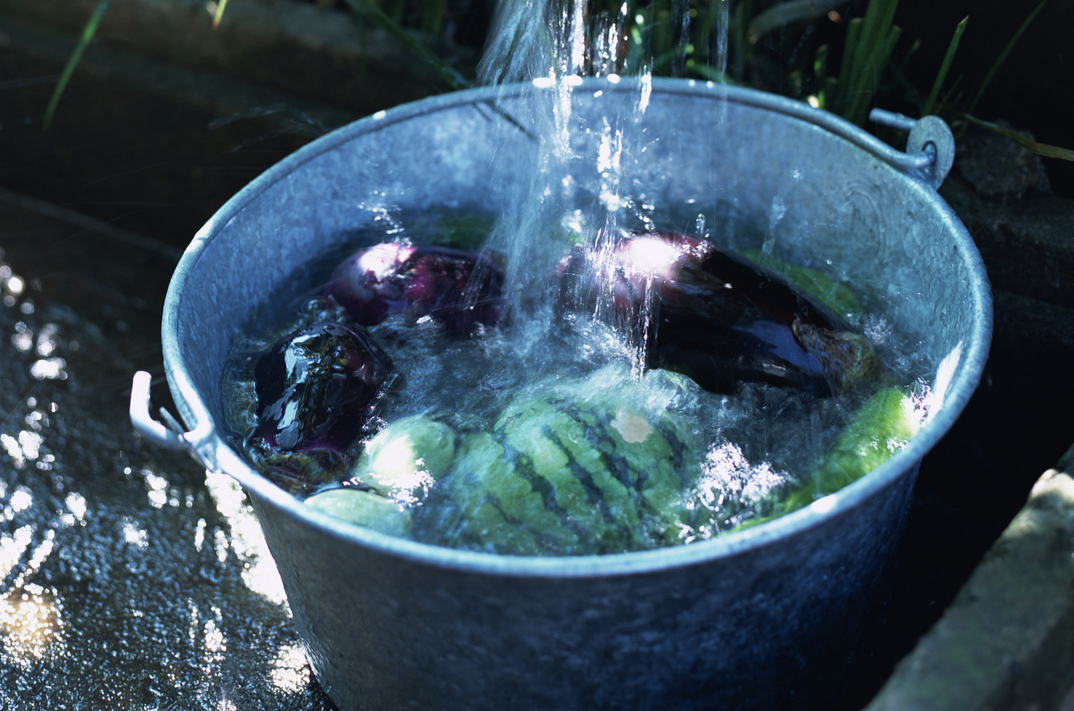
column 1007, row 641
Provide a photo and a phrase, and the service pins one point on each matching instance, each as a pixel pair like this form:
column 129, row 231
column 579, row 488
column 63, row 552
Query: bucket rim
column 211, row 449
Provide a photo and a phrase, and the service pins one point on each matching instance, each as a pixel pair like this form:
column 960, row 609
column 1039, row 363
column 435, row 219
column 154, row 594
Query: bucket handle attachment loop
column 930, row 137
column 169, row 434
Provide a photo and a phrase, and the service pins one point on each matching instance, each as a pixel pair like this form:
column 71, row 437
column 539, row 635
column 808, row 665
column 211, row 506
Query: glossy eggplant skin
column 720, row 318
column 314, row 389
column 458, row 289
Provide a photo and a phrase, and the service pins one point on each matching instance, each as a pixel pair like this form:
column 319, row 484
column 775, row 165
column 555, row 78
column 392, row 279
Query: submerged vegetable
column 604, row 463
column 365, row 508
column 314, row 388
column 880, row 428
column 406, row 455
column 719, row 317
column 569, row 469
column 399, row 465
column 883, row 426
column 458, row 289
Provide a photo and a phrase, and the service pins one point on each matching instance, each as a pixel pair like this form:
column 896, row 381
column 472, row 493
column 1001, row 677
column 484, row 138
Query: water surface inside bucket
column 820, row 205
column 739, row 453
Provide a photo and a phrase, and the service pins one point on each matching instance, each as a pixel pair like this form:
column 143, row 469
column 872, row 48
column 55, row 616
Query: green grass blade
column 850, row 45
column 926, row 108
column 1003, row 56
column 1041, row 149
column 864, row 39
column 740, row 51
column 869, row 76
column 704, row 28
column 867, row 49
column 76, row 56
column 879, row 15
column 219, row 14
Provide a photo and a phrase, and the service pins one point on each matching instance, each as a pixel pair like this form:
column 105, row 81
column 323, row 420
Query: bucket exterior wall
column 762, row 618
column 770, row 627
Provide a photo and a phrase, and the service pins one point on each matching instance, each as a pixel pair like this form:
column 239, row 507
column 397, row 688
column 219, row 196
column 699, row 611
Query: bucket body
column 767, row 617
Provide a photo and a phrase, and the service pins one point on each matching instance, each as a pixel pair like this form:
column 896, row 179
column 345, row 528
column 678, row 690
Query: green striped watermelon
column 575, row 467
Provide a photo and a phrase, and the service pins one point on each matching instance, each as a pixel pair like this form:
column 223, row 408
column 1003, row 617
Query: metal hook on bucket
column 203, row 443
column 199, row 442
column 930, row 136
column 168, row 436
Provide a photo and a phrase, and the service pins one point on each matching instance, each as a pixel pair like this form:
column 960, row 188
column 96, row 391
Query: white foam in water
column 929, row 400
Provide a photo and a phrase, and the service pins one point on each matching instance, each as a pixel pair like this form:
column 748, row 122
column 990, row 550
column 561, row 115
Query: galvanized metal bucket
column 766, row 617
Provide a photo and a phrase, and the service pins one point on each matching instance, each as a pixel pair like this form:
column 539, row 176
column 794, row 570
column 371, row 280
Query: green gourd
column 881, row 427
column 408, row 453
column 365, row 508
column 394, row 472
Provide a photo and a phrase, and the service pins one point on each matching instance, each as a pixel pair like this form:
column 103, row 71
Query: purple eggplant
column 314, row 390
column 719, row 317
column 458, row 289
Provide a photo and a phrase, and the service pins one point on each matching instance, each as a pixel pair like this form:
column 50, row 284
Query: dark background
column 1032, row 90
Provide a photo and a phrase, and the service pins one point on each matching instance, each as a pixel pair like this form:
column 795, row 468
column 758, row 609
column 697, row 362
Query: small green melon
column 406, row 454
column 365, row 508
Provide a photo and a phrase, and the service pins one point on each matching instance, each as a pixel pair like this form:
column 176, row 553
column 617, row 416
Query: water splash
column 582, row 191
column 551, row 46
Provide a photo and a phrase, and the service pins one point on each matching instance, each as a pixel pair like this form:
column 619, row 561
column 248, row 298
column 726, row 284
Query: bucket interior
column 817, row 191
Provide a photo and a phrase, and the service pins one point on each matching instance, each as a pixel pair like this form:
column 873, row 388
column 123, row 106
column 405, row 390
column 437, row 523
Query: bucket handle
column 929, row 135
column 169, row 434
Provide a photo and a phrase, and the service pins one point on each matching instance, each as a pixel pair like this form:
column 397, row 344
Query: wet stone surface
column 128, row 579
column 1007, row 641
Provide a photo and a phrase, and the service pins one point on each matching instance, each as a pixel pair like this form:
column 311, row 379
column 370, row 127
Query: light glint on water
column 31, row 623
column 246, row 539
